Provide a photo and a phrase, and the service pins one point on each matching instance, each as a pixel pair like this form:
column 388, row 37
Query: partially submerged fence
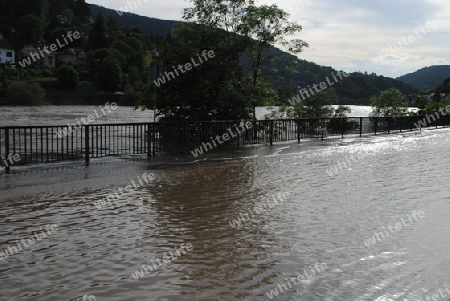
column 38, row 144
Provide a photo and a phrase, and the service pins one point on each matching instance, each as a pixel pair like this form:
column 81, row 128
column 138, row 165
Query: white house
column 7, row 54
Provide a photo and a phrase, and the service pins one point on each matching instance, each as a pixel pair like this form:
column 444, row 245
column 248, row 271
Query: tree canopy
column 390, row 103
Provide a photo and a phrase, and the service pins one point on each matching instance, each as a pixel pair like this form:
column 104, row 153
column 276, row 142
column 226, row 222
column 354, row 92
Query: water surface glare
column 324, row 219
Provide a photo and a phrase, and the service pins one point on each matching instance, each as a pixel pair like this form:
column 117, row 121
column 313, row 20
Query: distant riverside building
column 7, row 53
column 49, row 59
column 54, row 59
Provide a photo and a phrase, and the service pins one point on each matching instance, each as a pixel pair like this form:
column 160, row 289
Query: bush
column 67, row 77
column 86, row 86
column 25, row 94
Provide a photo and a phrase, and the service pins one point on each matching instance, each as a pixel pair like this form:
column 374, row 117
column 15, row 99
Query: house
column 7, row 54
column 73, row 55
column 48, row 59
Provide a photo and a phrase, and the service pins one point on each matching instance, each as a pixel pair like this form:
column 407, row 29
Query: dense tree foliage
column 67, row 77
column 246, row 70
column 390, row 103
column 25, row 94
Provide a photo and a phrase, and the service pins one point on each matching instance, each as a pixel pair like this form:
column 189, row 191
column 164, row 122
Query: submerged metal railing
column 39, row 144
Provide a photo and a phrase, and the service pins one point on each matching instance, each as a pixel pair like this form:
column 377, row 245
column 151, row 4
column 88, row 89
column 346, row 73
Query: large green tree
column 29, row 29
column 317, row 105
column 389, row 103
column 222, row 87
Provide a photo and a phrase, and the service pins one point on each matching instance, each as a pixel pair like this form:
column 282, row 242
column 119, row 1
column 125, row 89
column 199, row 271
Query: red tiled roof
column 6, row 45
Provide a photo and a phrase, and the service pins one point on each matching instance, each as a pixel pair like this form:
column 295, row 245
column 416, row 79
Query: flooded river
column 309, row 221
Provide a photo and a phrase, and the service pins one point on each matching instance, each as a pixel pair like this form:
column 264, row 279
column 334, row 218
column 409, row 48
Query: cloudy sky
column 388, row 37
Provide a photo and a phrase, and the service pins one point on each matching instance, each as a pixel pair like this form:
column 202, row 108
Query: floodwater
column 320, row 223
column 62, row 115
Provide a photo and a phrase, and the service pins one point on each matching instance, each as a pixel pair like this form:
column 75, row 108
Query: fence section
column 38, row 144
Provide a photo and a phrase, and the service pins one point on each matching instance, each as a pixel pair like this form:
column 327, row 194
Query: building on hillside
column 7, row 53
column 443, row 96
column 74, row 56
column 33, row 51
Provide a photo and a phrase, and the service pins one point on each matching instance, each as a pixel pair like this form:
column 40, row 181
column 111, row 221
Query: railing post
column 360, row 126
column 86, row 144
column 389, row 125
column 271, row 132
column 322, row 127
column 7, row 167
column 154, row 139
column 376, row 124
column 149, row 141
column 298, row 130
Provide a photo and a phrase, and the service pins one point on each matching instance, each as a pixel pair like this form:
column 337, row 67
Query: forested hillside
column 427, row 78
column 116, row 52
column 292, row 72
column 149, row 26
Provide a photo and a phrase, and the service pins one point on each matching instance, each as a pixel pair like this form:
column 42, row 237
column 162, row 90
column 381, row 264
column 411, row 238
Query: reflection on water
column 324, row 220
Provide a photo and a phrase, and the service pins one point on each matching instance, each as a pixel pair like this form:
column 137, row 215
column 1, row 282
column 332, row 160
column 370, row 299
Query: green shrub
column 67, row 77
column 25, row 94
column 86, row 86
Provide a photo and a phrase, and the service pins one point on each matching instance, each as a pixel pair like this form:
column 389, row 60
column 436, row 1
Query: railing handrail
column 193, row 122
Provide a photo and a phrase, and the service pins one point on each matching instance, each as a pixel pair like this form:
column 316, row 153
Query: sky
column 387, row 37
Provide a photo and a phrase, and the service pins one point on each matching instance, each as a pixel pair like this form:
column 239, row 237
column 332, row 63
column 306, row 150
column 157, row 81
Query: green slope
column 149, row 26
column 427, row 78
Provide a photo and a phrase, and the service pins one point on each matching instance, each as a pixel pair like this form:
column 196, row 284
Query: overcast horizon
column 349, row 35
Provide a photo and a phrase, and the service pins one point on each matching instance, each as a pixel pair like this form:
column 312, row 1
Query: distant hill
column 356, row 89
column 149, row 26
column 427, row 78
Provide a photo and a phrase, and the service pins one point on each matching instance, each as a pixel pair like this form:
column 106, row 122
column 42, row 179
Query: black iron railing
column 38, row 144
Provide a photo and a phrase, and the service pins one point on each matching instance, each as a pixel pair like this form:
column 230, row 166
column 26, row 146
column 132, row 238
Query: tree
column 67, row 77
column 24, row 94
column 97, row 38
column 212, row 90
column 110, row 75
column 389, row 103
column 29, row 29
column 420, row 100
column 342, row 111
column 248, row 29
column 264, row 27
column 317, row 105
